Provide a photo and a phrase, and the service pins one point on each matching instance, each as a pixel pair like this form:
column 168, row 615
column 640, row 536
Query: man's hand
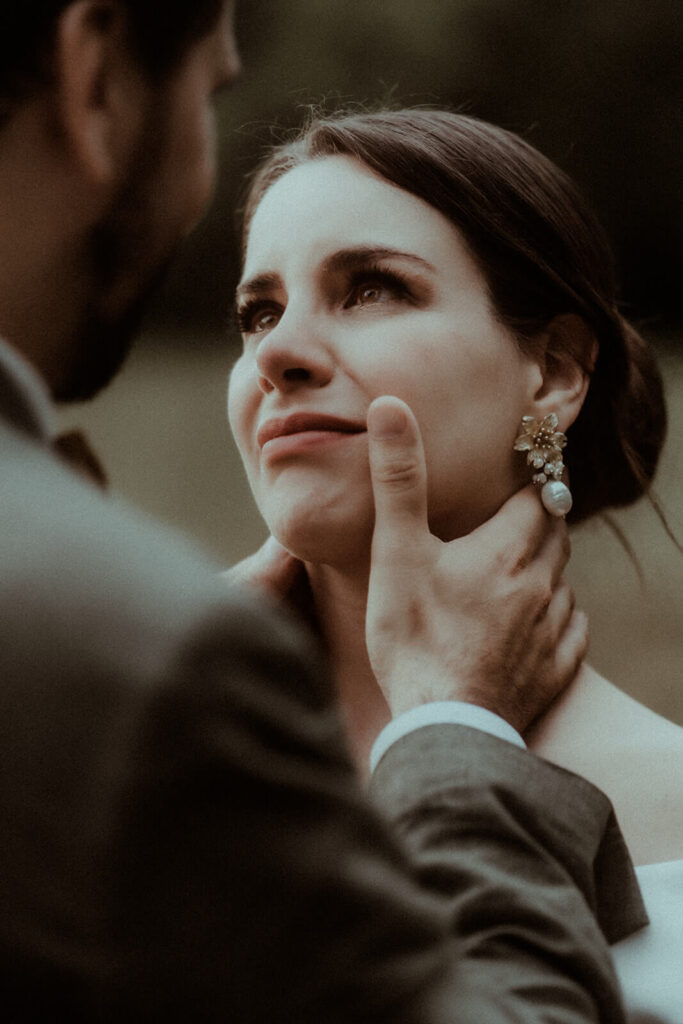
column 485, row 618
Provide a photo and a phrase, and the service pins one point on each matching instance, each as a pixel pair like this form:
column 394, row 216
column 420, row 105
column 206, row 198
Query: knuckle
column 544, row 599
column 398, row 473
column 520, row 562
column 512, row 560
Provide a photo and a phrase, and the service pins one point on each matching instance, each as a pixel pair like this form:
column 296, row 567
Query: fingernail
column 386, row 421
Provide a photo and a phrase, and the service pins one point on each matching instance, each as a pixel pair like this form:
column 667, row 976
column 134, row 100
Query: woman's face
column 354, row 288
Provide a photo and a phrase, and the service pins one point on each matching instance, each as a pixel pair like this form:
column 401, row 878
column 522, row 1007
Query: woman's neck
column 340, row 597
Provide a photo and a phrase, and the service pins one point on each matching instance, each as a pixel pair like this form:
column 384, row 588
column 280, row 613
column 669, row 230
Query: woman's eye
column 373, row 290
column 371, row 293
column 256, row 320
column 264, row 321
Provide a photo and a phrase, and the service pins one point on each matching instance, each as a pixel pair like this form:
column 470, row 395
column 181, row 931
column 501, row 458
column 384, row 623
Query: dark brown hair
column 543, row 254
column 161, row 31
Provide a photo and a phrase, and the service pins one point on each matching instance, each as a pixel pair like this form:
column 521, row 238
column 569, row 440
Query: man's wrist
column 442, row 713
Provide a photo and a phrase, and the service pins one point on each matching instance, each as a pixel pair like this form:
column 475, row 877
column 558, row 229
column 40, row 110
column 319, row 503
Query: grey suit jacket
column 182, row 837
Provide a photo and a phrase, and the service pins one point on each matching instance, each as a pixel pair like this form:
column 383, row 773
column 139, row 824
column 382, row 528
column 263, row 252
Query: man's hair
column 161, row 31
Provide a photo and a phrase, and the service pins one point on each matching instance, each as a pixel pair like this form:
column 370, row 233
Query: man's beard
column 123, row 252
column 102, row 343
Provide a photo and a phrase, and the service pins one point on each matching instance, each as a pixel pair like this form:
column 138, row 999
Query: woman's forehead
column 337, row 202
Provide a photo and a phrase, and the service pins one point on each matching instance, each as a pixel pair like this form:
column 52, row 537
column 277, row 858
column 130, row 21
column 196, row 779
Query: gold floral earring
column 543, row 443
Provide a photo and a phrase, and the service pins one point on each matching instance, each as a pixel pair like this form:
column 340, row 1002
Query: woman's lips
column 303, row 431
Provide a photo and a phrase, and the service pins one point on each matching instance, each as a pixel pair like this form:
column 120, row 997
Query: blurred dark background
column 596, row 85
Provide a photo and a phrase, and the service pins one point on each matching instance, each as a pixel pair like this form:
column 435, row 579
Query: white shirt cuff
column 448, row 712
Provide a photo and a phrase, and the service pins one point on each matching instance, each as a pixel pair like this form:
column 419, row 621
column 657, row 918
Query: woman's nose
column 290, row 357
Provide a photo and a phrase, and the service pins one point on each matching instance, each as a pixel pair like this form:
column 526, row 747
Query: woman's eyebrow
column 359, row 255
column 344, row 260
column 260, row 284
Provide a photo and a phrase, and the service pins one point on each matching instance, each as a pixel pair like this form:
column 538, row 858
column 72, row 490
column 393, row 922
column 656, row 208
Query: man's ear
column 568, row 355
column 100, row 92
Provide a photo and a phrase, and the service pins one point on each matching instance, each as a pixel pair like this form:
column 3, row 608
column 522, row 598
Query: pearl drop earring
column 543, row 443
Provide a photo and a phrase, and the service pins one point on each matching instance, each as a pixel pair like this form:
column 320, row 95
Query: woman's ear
column 569, row 350
column 99, row 89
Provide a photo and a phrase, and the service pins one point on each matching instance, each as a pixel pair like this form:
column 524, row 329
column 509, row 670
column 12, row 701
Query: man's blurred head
column 159, row 32
column 123, row 95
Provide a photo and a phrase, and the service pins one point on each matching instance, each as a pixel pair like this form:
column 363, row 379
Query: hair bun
column 618, row 438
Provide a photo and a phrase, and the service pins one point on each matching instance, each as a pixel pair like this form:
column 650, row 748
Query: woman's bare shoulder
column 629, row 751
column 593, row 714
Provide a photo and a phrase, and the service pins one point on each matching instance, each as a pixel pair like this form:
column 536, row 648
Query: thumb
column 399, row 477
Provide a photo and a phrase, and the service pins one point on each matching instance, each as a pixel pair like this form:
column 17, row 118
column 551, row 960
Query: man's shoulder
column 83, row 573
column 59, row 533
column 103, row 614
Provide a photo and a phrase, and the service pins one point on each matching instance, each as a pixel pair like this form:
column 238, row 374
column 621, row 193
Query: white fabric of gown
column 650, row 963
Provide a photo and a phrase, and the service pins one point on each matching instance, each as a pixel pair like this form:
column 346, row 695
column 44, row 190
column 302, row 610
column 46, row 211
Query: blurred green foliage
column 597, row 85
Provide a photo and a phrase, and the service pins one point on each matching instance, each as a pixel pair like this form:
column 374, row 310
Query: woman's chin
column 325, row 541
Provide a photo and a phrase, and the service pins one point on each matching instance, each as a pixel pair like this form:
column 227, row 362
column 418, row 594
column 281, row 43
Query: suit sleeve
column 529, row 861
column 254, row 882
